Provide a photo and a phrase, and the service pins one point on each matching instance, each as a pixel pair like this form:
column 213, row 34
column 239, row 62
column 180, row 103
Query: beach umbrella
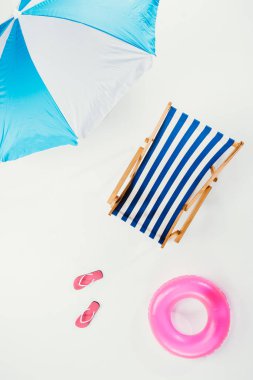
column 64, row 64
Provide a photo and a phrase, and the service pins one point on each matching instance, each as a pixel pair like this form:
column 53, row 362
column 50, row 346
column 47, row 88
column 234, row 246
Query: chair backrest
column 180, row 156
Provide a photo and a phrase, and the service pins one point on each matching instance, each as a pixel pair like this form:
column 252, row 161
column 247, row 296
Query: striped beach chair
column 171, row 174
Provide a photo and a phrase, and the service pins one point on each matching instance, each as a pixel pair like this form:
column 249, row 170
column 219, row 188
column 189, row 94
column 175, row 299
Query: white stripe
column 4, row 38
column 181, row 175
column 85, row 70
column 170, row 172
column 161, row 166
column 180, row 197
column 152, row 159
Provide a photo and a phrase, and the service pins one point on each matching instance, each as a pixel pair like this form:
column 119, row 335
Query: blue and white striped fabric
column 182, row 153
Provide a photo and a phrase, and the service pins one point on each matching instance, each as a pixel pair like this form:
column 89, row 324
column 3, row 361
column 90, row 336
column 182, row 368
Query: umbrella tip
column 16, row 14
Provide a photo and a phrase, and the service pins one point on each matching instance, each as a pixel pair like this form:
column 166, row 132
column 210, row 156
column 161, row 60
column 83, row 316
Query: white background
column 54, row 224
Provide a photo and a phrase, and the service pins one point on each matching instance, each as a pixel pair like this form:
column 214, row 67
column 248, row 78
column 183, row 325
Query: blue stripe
column 132, row 21
column 149, row 153
column 155, row 165
column 194, row 185
column 165, row 170
column 23, row 4
column 4, row 26
column 30, row 120
column 191, row 170
column 173, row 177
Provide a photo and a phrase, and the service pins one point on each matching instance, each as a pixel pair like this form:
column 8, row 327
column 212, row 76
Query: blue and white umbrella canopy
column 64, row 64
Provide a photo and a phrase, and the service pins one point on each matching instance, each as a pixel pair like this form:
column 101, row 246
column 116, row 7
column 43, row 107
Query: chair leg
column 171, row 234
column 212, row 172
column 193, row 214
column 132, row 167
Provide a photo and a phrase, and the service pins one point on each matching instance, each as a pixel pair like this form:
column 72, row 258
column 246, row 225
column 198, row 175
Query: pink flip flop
column 86, row 279
column 85, row 319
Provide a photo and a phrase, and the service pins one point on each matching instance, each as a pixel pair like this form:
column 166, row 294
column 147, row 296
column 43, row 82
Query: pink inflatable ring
column 218, row 322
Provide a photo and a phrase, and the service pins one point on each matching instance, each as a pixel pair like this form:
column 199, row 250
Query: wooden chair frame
column 194, row 202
